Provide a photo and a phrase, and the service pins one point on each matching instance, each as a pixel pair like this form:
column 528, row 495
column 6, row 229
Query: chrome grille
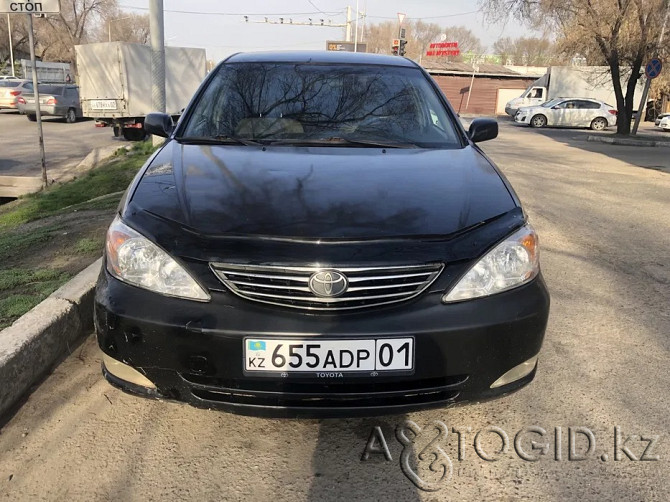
column 289, row 286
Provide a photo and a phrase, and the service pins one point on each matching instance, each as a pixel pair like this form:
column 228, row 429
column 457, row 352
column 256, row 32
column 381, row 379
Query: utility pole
column 347, row 36
column 11, row 47
column 156, row 26
column 356, row 37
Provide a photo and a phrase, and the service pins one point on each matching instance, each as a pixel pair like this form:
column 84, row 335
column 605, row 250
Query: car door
column 588, row 110
column 566, row 114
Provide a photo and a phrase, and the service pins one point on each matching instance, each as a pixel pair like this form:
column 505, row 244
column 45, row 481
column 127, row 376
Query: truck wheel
column 538, row 121
column 598, row 124
column 71, row 116
column 32, row 117
column 132, row 134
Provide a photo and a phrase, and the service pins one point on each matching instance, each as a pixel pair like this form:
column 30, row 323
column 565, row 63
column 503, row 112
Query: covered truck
column 571, row 82
column 115, row 83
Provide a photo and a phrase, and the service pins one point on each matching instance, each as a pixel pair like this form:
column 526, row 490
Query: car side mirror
column 483, row 130
column 158, row 124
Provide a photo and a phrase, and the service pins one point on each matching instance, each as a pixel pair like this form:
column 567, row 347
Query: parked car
column 55, row 101
column 319, row 236
column 569, row 112
column 10, row 90
column 665, row 123
column 9, row 77
column 661, row 117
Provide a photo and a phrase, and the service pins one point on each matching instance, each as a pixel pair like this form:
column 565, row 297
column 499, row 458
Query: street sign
column 443, row 49
column 653, row 68
column 401, row 17
column 30, row 6
column 334, row 45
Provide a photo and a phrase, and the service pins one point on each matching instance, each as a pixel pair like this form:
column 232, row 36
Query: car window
column 289, row 101
column 9, row 83
column 588, row 105
column 550, row 103
column 568, row 105
column 53, row 90
column 28, row 86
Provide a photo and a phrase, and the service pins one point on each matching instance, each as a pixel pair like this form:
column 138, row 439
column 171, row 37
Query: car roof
column 323, row 57
column 585, row 99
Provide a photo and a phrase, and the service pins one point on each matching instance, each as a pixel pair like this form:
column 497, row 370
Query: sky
column 222, row 30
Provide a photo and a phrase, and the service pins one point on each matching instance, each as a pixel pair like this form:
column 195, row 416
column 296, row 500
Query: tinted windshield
column 290, row 103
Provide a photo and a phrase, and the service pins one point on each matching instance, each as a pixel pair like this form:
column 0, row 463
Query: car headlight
column 134, row 259
column 513, row 262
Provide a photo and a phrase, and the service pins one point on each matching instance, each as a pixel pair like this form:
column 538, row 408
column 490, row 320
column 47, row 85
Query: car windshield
column 551, row 103
column 9, row 83
column 291, row 103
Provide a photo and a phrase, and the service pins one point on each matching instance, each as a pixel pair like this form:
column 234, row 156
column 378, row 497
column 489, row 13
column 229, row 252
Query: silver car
column 10, row 91
column 569, row 112
column 55, row 100
column 661, row 117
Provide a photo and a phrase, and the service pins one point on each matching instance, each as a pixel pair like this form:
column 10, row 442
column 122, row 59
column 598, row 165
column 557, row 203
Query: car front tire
column 538, row 121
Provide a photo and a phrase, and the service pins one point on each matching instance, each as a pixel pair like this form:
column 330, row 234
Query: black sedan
column 320, row 237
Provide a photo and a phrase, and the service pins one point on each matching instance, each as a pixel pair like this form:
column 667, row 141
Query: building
column 483, row 90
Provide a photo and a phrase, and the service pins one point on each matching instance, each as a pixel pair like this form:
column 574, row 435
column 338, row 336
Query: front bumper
column 193, row 352
column 521, row 118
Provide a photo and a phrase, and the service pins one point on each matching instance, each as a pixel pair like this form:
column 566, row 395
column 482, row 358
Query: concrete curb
column 31, row 346
column 627, row 141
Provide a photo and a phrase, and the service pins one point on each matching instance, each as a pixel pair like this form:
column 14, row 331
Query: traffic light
column 401, row 50
column 395, row 47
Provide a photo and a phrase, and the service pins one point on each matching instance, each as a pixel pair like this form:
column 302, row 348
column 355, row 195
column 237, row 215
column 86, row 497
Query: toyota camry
column 320, row 236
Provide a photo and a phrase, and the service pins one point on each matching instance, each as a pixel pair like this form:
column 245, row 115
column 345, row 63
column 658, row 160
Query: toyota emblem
column 328, row 283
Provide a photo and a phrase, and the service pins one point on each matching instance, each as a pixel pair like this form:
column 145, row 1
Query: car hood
column 320, row 193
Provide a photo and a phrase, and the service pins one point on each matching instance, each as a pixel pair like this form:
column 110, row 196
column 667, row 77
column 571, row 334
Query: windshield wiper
column 342, row 141
column 216, row 140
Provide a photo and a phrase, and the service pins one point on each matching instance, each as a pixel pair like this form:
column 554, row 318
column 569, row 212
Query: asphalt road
column 604, row 227
column 64, row 143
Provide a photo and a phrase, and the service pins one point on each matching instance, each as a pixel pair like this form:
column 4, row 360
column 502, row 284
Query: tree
column 420, row 35
column 531, row 51
column 116, row 24
column 19, row 39
column 58, row 34
column 622, row 34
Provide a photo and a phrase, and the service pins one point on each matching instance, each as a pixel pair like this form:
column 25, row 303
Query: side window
column 588, row 105
column 28, row 86
column 568, row 105
column 537, row 93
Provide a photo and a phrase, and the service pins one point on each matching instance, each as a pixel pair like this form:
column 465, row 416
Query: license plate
column 283, row 357
column 103, row 104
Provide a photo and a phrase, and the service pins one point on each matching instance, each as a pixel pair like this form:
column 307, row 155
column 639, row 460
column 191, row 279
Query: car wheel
column 538, row 121
column 598, row 124
column 71, row 116
column 32, row 117
column 132, row 134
